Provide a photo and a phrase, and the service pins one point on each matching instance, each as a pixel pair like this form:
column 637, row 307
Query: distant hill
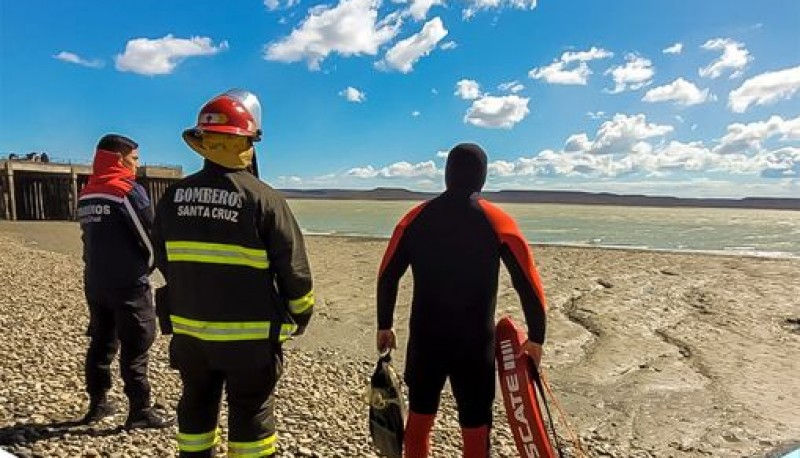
column 551, row 197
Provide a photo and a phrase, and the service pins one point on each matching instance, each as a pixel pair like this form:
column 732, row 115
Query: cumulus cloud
column 468, row 89
column 596, row 114
column 161, row 56
column 765, row 89
column 401, row 169
column 497, row 112
column 448, row 45
column 749, row 138
column 734, row 58
column 405, row 53
column 677, row 48
column 511, row 86
column 635, row 74
column 353, row 95
column 419, row 8
column 73, row 58
column 566, row 71
column 477, row 5
column 629, row 146
column 680, row 91
column 351, row 28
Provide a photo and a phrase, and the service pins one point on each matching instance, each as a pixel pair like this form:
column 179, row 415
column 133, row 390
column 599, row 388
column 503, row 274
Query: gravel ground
column 42, row 310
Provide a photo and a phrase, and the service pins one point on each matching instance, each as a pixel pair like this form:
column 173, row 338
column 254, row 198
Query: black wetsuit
column 454, row 244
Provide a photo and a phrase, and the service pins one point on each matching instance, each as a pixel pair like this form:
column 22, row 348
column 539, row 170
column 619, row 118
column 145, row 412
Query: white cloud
column 622, row 148
column 401, row 169
column 511, row 86
column 448, row 45
column 419, row 8
column 405, row 53
column 162, row 55
column 680, row 91
column 596, row 114
column 734, row 58
column 559, row 73
column 765, row 89
column 468, row 89
column 635, row 74
column 622, row 133
column 351, row 28
column 442, row 154
column 415, row 113
column 749, row 138
column 593, row 53
column 477, row 5
column 497, row 112
column 275, row 4
column 353, row 95
column 73, row 58
column 677, row 48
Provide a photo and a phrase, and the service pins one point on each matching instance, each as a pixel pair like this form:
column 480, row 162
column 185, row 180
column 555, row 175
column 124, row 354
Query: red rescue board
column 519, row 392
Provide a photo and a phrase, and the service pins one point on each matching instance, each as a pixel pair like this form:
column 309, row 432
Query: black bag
column 387, row 409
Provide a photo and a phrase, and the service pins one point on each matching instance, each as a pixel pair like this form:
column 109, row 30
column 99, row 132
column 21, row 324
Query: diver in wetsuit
column 454, row 244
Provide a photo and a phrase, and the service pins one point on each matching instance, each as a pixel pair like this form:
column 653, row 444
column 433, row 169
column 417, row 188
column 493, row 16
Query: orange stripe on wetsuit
column 510, row 236
column 397, row 235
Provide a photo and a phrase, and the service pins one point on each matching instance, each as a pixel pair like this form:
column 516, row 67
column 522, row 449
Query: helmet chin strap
column 253, row 168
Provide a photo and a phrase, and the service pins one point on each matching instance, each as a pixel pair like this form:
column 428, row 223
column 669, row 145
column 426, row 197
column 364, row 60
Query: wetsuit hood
column 466, row 168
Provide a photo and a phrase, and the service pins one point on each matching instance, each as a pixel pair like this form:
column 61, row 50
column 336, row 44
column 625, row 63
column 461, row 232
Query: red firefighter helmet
column 236, row 112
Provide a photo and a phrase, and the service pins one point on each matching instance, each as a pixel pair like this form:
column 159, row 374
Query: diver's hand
column 385, row 340
column 533, row 350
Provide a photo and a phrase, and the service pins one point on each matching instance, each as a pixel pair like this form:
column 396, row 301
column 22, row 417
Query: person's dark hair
column 117, row 143
column 466, row 168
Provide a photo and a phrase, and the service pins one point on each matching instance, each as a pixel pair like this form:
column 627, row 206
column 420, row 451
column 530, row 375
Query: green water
column 732, row 231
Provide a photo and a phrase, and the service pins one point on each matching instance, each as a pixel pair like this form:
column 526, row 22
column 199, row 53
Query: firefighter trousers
column 249, row 391
column 120, row 318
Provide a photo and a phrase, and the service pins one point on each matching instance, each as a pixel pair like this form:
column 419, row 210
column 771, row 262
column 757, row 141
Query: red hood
column 109, row 176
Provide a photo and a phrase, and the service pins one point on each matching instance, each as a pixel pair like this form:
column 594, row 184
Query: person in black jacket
column 115, row 216
column 454, row 244
column 238, row 283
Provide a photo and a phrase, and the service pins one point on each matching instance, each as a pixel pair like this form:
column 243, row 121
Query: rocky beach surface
column 651, row 354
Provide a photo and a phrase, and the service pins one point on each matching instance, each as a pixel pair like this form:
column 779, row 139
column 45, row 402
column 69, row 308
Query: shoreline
column 9, row 226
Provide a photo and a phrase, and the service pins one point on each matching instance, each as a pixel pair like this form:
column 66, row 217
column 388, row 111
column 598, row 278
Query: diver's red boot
column 476, row 442
column 417, row 437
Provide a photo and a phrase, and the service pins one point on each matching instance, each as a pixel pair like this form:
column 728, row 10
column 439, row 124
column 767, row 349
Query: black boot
column 99, row 408
column 147, row 418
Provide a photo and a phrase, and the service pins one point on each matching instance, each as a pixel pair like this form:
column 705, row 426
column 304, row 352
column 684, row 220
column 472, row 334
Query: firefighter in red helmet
column 238, row 283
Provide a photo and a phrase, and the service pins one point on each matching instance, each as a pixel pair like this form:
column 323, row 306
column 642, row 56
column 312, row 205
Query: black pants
column 126, row 319
column 249, row 389
column 471, row 370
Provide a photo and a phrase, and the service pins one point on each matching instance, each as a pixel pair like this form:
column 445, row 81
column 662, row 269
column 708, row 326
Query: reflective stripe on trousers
column 262, row 447
column 216, row 253
column 198, row 442
column 228, row 331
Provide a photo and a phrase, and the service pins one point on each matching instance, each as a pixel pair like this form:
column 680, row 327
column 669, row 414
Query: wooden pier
column 32, row 190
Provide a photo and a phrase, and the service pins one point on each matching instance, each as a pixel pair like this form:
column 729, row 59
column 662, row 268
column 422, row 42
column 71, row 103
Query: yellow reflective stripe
column 262, row 447
column 302, row 304
column 216, row 253
column 287, row 330
column 221, row 331
column 198, row 442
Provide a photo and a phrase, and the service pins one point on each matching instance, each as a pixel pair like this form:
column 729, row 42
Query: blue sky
column 658, row 97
